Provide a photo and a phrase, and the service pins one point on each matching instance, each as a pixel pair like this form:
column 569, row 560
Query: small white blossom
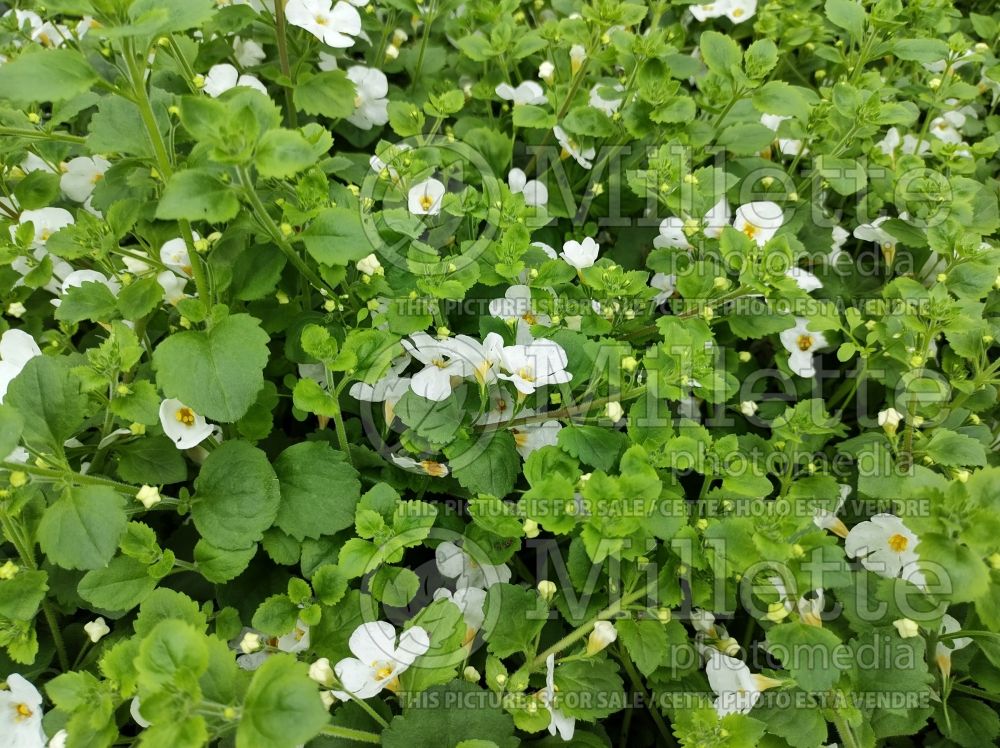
column 759, row 220
column 583, row 156
column 424, row 199
column 884, row 545
column 184, row 427
column 334, row 24
column 148, row 496
column 96, row 629
column 800, row 342
column 21, row 714
column 580, row 254
column 81, row 175
column 455, row 563
column 559, row 722
column 371, row 107
column 378, row 659
column 527, row 92
column 736, row 689
column 223, row 77
column 16, row 348
column 534, row 192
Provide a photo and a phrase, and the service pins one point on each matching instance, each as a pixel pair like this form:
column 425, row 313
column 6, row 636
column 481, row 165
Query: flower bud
column 907, row 629
column 148, row 496
column 471, row 674
column 18, row 478
column 604, row 633
column 629, row 363
column 250, row 642
column 530, row 528
column 321, row 672
column 547, row 590
column 745, row 357
column 889, row 419
column 96, row 630
column 664, row 615
column 546, row 71
column 8, row 570
column 614, row 411
column 748, row 408
column 369, row 265
column 777, row 612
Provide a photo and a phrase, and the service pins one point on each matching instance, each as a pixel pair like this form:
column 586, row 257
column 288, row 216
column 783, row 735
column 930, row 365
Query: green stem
column 27, row 556
column 844, row 730
column 62, row 137
column 163, row 163
column 654, row 712
column 359, row 736
column 338, row 425
column 568, row 412
column 280, row 28
column 260, row 211
column 977, row 692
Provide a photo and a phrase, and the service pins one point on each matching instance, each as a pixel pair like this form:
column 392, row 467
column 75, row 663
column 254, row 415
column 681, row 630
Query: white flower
column 183, row 426
column 672, row 234
column 392, row 154
column 59, row 739
column 81, row 175
column 335, row 25
column 665, row 284
column 21, row 714
column 603, row 635
column 424, row 199
column 46, row 221
column 838, row 238
column 787, row 146
column 884, row 545
column 546, row 71
column 606, row 105
column 800, row 342
column 889, row 419
column 942, row 653
column 824, row 519
column 527, row 92
column 748, row 408
column 518, row 306
column 910, row 143
column 529, row 437
column 737, row 690
column 148, row 496
column 472, row 602
column 297, row 640
column 759, row 220
column 369, row 265
column 378, row 660
column 174, row 254
column 442, row 359
column 427, row 467
column 454, row 563
column 873, row 232
column 247, row 52
column 570, row 147
column 907, row 628
column 580, row 254
column 709, row 10
column 389, row 389
column 739, row 11
column 534, row 192
column 558, row 722
column 811, row 608
column 96, row 629
column 250, row 642
column 224, row 77
column 172, row 285
column 371, row 107
column 804, row 279
column 134, row 710
column 534, row 365
column 16, row 349
column 577, row 56
column 947, row 127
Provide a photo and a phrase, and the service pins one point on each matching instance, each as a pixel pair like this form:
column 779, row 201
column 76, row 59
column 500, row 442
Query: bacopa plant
column 499, row 372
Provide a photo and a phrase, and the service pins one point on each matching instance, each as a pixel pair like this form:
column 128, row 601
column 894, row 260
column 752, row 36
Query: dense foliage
column 497, row 372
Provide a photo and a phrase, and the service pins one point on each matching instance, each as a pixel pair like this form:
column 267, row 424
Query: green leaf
column 588, row 121
column 282, row 707
column 284, row 153
column 491, row 468
column 920, row 50
column 153, row 460
column 11, row 426
column 152, row 17
column 319, row 490
column 746, row 139
column 514, row 616
column 815, row 656
column 968, row 574
column 778, row 97
column 970, row 723
column 140, row 298
column 48, row 398
column 330, row 94
column 593, row 445
column 217, row 372
column 81, row 529
column 21, row 595
column 394, row 586
column 720, row 52
column 197, row 195
column 845, row 175
column 848, row 15
column 533, row 117
column 589, row 689
column 329, row 583
column 236, row 496
column 48, row 75
column 172, row 648
column 220, row 565
column 448, row 716
column 119, row 586
column 645, row 640
column 953, row 449
column 337, row 236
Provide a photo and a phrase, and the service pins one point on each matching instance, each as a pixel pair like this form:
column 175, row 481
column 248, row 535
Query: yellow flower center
column 23, row 712
column 383, row 672
column 186, row 416
column 737, row 12
column 805, row 342
column 426, row 201
column 96, row 178
column 526, row 374
column 750, row 230
column 321, row 20
column 898, row 543
column 530, row 318
column 434, row 469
